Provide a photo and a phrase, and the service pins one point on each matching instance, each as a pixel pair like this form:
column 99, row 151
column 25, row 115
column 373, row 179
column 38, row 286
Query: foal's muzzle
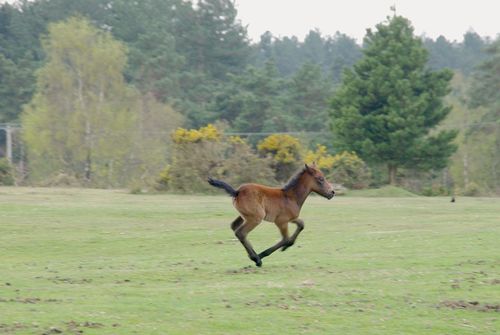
column 330, row 195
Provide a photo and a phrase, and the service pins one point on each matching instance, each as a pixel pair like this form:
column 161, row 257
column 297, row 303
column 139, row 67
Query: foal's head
column 317, row 181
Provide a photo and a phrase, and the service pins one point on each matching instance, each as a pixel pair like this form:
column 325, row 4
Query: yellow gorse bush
column 349, row 159
column 327, row 162
column 284, row 148
column 321, row 157
column 207, row 133
column 236, row 140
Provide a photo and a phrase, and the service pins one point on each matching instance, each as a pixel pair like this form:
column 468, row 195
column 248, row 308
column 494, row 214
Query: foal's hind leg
column 284, row 234
column 236, row 223
column 291, row 241
column 242, row 232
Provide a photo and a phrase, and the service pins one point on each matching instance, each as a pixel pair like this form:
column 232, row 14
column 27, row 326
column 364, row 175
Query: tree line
column 176, row 63
column 194, row 57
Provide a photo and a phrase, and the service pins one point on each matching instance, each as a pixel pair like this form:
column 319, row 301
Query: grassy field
column 108, row 262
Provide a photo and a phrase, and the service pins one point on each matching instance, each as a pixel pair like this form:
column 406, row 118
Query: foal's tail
column 225, row 186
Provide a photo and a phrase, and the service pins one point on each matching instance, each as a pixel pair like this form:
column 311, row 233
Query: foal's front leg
column 291, row 241
column 283, row 227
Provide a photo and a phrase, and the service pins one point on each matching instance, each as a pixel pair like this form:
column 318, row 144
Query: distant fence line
column 8, row 129
column 17, row 126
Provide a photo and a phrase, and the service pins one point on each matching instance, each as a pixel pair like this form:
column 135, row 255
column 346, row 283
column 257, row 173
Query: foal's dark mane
column 294, row 180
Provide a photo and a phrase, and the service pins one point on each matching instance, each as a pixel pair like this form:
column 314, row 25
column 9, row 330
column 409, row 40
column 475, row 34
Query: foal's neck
column 300, row 192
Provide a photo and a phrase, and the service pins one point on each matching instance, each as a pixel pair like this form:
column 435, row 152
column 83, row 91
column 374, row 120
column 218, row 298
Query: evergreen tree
column 442, row 54
column 484, row 93
column 155, row 66
column 313, row 48
column 463, row 56
column 342, row 52
column 388, row 104
column 287, row 55
column 308, row 92
column 487, row 82
column 472, row 53
column 223, row 43
column 16, row 86
column 264, row 49
column 254, row 101
column 17, row 63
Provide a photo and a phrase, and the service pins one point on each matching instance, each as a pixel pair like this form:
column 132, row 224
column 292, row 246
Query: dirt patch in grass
column 470, row 305
column 11, row 328
column 60, row 280
column 74, row 327
column 53, row 330
column 247, row 269
column 28, row 300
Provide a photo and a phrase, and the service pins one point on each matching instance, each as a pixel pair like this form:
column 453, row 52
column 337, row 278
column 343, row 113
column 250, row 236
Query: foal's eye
column 321, row 180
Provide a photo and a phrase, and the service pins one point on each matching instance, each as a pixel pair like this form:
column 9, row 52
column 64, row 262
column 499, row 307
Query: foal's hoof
column 257, row 261
column 283, row 248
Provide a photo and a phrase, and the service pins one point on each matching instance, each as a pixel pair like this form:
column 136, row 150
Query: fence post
column 8, row 136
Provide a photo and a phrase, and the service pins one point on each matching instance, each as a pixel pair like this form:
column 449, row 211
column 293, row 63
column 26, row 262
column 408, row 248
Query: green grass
column 108, row 262
column 388, row 191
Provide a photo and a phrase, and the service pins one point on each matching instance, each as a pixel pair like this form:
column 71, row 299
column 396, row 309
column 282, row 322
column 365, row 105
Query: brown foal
column 257, row 202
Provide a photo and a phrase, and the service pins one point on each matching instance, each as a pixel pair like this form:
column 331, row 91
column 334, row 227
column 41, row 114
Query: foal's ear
column 308, row 168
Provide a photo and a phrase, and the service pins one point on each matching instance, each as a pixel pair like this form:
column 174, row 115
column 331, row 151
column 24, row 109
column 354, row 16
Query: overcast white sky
column 450, row 18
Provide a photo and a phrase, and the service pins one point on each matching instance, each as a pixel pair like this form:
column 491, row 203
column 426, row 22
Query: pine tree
column 254, row 101
column 222, row 41
column 389, row 103
column 342, row 52
column 484, row 93
column 308, row 93
column 16, row 87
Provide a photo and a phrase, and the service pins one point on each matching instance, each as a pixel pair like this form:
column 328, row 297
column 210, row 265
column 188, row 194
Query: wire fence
column 11, row 146
column 13, row 149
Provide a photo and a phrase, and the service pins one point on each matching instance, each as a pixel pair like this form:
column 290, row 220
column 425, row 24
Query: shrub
column 321, row 157
column 207, row 133
column 285, row 152
column 135, row 187
column 204, row 152
column 434, row 190
column 163, row 179
column 472, row 189
column 243, row 165
column 61, row 179
column 6, row 173
column 350, row 170
column 193, row 163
